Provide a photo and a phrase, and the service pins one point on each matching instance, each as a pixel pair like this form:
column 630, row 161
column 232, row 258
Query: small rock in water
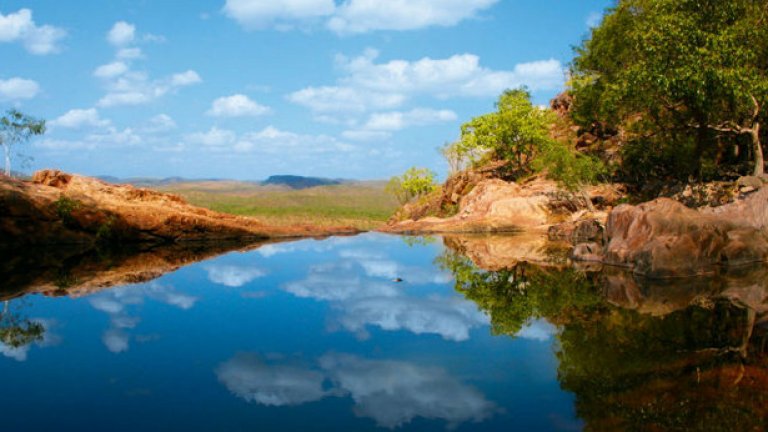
column 397, row 280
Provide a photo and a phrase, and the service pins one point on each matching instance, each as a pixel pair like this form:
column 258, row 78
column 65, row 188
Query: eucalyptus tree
column 17, row 128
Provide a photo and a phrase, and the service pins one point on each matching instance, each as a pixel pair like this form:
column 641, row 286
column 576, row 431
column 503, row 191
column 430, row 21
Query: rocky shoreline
column 56, row 208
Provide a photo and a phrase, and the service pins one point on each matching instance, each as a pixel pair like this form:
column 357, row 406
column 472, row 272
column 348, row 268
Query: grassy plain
column 363, row 205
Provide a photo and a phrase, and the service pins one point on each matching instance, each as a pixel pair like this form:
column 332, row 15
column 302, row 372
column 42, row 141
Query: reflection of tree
column 701, row 367
column 16, row 331
column 516, row 296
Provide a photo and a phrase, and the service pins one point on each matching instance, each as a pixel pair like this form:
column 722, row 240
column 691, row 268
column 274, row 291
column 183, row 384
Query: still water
column 380, row 332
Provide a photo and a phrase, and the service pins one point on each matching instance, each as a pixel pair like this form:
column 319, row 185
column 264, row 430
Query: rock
column 498, row 252
column 753, row 182
column 576, row 232
column 663, row 238
column 57, row 208
column 492, row 205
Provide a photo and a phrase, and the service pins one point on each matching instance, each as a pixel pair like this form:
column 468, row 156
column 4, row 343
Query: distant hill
column 300, row 182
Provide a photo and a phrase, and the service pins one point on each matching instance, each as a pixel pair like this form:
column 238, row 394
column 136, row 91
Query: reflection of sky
column 392, row 393
column 402, row 366
column 361, row 289
column 115, row 303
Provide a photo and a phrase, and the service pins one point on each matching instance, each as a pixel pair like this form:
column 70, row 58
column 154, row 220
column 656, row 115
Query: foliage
column 16, row 332
column 64, row 208
column 665, row 70
column 515, row 132
column 456, row 157
column 414, row 183
column 17, row 128
column 573, row 170
column 514, row 297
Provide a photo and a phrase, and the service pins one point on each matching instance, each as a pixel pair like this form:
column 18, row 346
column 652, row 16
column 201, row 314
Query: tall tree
column 688, row 67
column 17, row 128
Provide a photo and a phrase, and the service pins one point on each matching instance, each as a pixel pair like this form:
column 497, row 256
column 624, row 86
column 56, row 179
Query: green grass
column 363, row 205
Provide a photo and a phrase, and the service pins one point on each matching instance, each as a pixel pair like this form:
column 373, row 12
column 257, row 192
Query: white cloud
column 18, row 88
column 129, row 53
column 344, row 99
column 283, row 14
column 20, row 27
column 160, row 123
column 539, row 330
column 393, row 121
column 121, row 34
column 369, row 86
column 361, row 16
column 353, row 16
column 79, row 118
column 215, row 137
column 111, row 70
column 233, row 276
column 365, row 135
column 236, row 106
column 185, row 79
column 116, row 341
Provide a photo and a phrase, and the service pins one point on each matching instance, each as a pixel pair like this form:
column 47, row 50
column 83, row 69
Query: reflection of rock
column 663, row 238
column 746, row 286
column 249, row 377
column 75, row 271
column 496, row 252
column 392, row 393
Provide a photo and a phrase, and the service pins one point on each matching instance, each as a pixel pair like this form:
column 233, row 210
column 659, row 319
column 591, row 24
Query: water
column 320, row 335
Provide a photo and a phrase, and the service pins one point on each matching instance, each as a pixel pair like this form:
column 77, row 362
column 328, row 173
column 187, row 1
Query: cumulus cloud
column 353, row 16
column 121, row 34
column 233, row 276
column 397, row 120
column 283, row 14
column 126, row 86
column 269, row 140
column 370, row 86
column 249, row 377
column 80, row 118
column 362, row 16
column 116, row 341
column 539, row 330
column 18, row 88
column 215, row 137
column 236, row 106
column 20, row 27
column 111, row 70
column 160, row 123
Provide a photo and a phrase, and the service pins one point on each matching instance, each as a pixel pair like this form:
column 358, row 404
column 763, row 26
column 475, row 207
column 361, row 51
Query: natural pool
column 323, row 335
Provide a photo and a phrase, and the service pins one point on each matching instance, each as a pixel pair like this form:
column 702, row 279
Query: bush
column 414, row 183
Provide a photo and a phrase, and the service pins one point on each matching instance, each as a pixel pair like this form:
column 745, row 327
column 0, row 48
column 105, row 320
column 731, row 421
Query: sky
column 245, row 89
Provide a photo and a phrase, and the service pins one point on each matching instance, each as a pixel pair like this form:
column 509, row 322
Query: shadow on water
column 77, row 271
column 687, row 354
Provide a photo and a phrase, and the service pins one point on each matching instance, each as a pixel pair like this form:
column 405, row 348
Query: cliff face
column 59, row 208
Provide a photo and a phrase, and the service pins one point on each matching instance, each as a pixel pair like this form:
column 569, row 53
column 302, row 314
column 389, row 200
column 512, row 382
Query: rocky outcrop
column 494, row 205
column 61, row 208
column 499, row 252
column 663, row 238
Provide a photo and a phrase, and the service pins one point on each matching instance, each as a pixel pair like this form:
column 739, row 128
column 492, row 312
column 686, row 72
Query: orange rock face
column 663, row 238
column 57, row 207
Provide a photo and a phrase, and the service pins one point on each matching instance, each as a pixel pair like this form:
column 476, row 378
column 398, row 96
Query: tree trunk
column 757, row 149
column 7, row 149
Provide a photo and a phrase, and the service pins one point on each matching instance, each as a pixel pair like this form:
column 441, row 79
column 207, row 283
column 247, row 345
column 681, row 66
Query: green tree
column 678, row 72
column 514, row 132
column 17, row 128
column 573, row 170
column 414, row 183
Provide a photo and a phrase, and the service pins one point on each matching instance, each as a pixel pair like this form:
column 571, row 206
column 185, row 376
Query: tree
column 514, row 132
column 573, row 170
column 17, row 128
column 415, row 182
column 667, row 70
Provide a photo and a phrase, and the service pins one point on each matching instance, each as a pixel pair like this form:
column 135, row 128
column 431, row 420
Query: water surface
column 324, row 335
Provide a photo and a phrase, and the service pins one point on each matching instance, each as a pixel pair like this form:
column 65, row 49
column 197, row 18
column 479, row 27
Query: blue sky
column 249, row 88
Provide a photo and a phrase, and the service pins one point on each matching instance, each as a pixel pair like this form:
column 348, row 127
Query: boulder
column 665, row 239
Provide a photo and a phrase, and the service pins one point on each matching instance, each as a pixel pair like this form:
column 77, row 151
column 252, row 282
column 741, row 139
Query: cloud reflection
column 233, row 276
column 391, row 393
